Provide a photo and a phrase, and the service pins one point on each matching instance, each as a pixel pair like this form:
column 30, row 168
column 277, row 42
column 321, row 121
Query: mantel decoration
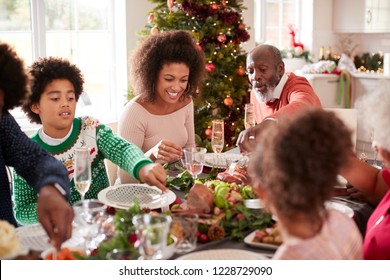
column 294, row 57
column 219, row 30
column 296, row 49
column 369, row 62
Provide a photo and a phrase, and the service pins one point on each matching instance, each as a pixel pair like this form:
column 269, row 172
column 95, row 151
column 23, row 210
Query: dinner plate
column 221, row 161
column 34, row 237
column 123, row 196
column 249, row 241
column 339, row 207
column 253, row 203
column 223, row 254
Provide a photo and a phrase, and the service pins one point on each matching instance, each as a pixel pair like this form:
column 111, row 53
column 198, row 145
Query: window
column 85, row 32
column 272, row 18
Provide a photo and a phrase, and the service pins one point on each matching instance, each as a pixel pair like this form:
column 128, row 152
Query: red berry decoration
column 203, row 238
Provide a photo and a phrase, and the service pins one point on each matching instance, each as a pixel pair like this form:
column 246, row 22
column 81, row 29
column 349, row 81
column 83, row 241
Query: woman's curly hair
column 176, row 46
column 297, row 161
column 14, row 80
column 43, row 72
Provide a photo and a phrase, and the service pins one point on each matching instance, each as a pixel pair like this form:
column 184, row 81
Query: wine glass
column 194, row 159
column 217, row 138
column 90, row 220
column 373, row 144
column 82, row 170
column 249, row 118
column 152, row 234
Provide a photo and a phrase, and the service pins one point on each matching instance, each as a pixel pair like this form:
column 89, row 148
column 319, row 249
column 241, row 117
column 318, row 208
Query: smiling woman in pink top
column 167, row 70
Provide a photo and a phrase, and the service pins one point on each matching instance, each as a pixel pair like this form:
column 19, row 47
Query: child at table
column 295, row 168
column 56, row 88
column 46, row 175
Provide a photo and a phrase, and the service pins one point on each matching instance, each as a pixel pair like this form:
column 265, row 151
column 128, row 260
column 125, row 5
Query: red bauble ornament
column 154, row 30
column 214, row 6
column 208, row 132
column 151, row 18
column 240, row 71
column 228, row 101
column 242, row 26
column 210, row 67
column 221, row 38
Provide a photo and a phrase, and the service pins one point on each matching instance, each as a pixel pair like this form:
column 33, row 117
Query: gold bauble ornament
column 154, row 30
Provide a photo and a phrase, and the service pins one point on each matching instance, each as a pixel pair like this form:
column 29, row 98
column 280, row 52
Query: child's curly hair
column 43, row 72
column 176, row 46
column 14, row 80
column 297, row 161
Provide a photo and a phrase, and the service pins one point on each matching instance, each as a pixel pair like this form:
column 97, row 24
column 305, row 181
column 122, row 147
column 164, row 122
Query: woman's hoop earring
column 188, row 88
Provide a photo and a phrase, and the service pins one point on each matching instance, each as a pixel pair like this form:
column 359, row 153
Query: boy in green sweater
column 56, row 87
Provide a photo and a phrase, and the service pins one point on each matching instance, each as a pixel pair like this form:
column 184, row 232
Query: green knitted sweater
column 104, row 144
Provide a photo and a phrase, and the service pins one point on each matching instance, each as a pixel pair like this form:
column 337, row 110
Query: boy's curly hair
column 43, row 72
column 297, row 161
column 14, row 80
column 176, row 46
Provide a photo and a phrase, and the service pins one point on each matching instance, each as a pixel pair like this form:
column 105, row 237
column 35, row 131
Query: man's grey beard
column 265, row 96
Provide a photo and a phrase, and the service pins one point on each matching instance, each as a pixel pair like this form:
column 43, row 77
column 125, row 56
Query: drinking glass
column 217, row 136
column 184, row 228
column 249, row 118
column 194, row 159
column 152, row 234
column 82, row 170
column 90, row 220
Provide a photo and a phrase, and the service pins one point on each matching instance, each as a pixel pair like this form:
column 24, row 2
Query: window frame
column 117, row 80
column 260, row 19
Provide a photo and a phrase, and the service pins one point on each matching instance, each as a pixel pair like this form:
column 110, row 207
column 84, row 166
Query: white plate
column 220, row 161
column 223, row 254
column 253, row 203
column 123, row 196
column 34, row 237
column 339, row 207
column 249, row 240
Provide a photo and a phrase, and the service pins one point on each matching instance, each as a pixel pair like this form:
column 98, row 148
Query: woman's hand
column 153, row 174
column 166, row 151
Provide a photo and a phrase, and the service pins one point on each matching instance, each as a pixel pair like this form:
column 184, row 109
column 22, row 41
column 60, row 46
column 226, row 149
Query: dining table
column 361, row 213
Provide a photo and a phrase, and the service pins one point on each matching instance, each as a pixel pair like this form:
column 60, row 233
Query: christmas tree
column 219, row 30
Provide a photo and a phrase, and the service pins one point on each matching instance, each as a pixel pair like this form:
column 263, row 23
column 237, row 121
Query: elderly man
column 44, row 173
column 275, row 93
